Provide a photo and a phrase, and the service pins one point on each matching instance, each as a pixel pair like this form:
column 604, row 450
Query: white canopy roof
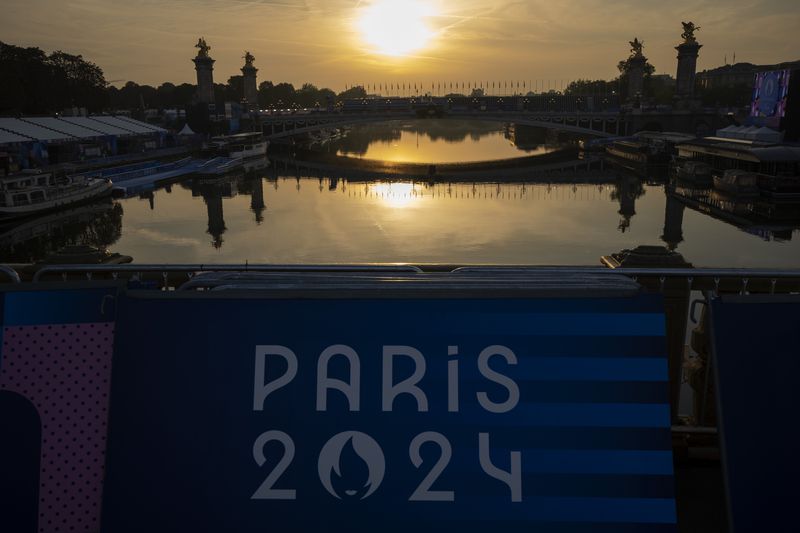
column 6, row 137
column 73, row 130
column 34, row 131
column 143, row 127
column 26, row 129
column 186, row 130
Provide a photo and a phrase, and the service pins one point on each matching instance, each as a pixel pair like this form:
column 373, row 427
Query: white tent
column 186, row 130
column 729, row 132
column 765, row 134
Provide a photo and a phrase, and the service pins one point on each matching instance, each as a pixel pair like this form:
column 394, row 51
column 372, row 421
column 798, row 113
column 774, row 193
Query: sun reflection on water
column 397, row 195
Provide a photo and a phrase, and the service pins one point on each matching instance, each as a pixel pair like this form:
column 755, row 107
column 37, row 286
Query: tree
column 307, row 95
column 590, row 87
column 727, row 96
column 32, row 82
column 235, row 92
column 77, row 82
column 25, row 81
column 264, row 92
column 352, row 92
column 283, row 94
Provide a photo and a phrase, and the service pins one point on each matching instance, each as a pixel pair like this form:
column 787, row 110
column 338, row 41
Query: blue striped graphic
column 614, row 415
column 598, row 462
column 584, row 324
column 589, row 369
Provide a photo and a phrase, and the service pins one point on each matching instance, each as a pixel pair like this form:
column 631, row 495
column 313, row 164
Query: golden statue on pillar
column 636, row 47
column 203, row 47
column 248, row 59
column 688, row 32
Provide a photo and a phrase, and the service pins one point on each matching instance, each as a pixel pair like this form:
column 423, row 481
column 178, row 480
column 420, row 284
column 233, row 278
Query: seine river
column 279, row 216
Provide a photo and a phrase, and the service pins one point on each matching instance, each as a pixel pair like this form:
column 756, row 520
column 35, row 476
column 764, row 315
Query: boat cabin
column 238, row 142
column 31, row 188
column 773, row 159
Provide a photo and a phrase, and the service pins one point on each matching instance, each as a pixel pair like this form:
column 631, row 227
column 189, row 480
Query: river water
column 274, row 216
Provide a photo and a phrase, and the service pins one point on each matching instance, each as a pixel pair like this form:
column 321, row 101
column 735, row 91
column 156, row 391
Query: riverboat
column 239, row 146
column 737, row 183
column 780, row 187
column 31, row 193
column 599, row 144
column 695, row 172
column 632, row 151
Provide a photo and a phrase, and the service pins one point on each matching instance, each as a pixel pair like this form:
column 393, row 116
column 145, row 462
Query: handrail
column 11, row 273
column 189, row 268
column 666, row 272
column 717, row 275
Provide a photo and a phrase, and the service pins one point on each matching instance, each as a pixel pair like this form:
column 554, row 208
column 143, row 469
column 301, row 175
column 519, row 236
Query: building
column 738, row 75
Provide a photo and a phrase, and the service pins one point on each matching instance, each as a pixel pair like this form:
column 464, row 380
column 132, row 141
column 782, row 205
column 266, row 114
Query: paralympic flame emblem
column 351, row 466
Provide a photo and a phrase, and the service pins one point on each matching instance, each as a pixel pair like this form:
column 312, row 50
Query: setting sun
column 396, row 27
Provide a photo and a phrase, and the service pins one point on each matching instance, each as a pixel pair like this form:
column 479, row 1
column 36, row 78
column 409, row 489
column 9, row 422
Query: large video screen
column 770, row 94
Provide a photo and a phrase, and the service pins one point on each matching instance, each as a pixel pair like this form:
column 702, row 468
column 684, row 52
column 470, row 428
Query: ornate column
column 688, row 51
column 204, row 66
column 250, row 96
column 635, row 71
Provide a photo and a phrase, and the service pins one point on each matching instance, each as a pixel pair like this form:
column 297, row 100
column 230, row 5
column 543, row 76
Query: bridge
column 603, row 124
column 598, row 116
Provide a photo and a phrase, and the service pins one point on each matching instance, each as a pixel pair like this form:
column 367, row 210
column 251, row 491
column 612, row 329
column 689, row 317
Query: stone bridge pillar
column 688, row 51
column 249, row 72
column 636, row 68
column 204, row 66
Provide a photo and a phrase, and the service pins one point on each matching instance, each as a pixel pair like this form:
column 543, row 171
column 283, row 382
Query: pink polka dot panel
column 64, row 370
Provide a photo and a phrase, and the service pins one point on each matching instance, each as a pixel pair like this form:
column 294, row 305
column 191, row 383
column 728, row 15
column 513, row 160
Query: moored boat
column 695, row 172
column 239, row 146
column 779, row 187
column 632, row 151
column 31, row 194
column 737, row 183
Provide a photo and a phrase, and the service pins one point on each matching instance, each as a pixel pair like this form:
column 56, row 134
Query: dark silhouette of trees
column 591, row 87
column 32, row 82
column 353, row 92
column 78, row 82
column 727, row 96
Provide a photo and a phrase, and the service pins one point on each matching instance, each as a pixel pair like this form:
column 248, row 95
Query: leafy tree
column 24, row 80
column 590, row 87
column 77, row 82
column 731, row 96
column 32, row 82
column 283, row 95
column 352, row 92
column 235, row 89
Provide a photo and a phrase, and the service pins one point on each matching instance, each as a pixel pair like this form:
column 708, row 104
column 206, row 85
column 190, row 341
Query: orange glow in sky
column 396, row 27
column 342, row 43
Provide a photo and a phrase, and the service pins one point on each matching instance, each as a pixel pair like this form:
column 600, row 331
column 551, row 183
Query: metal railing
column 189, row 270
column 11, row 273
column 715, row 279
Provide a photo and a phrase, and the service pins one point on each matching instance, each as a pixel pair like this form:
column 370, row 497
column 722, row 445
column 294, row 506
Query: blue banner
column 297, row 415
column 756, row 344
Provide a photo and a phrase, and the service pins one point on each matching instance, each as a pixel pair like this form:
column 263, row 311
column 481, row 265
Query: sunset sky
column 336, row 43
